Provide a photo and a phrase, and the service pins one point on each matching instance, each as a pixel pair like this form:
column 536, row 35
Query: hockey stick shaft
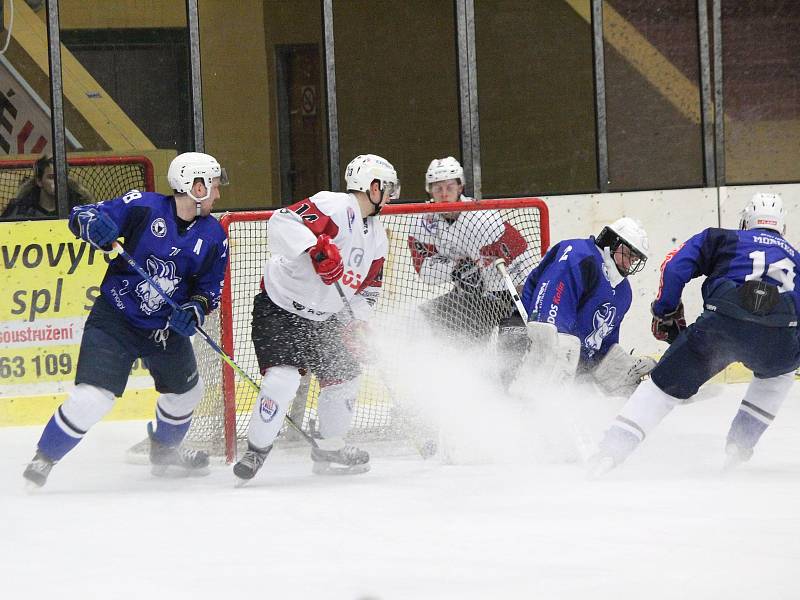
column 500, row 265
column 208, row 339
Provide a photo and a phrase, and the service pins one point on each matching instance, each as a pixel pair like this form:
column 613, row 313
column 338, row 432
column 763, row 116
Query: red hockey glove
column 355, row 337
column 666, row 328
column 326, row 260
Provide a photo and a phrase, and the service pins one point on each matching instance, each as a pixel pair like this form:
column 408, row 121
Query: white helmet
column 629, row 233
column 187, row 167
column 366, row 168
column 442, row 169
column 764, row 211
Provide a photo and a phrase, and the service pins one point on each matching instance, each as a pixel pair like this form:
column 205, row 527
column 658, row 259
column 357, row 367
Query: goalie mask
column 764, row 211
column 630, row 236
column 190, row 166
column 364, row 169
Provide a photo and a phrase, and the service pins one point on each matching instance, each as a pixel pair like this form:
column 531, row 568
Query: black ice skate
column 175, row 461
column 348, row 460
column 250, row 463
column 38, row 469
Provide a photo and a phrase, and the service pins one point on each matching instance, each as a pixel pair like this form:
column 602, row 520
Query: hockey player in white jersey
column 461, row 247
column 298, row 319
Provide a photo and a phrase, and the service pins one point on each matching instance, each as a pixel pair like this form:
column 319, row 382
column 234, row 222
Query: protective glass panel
column 397, row 85
column 761, row 86
column 25, row 130
column 127, row 107
column 652, row 94
column 535, row 97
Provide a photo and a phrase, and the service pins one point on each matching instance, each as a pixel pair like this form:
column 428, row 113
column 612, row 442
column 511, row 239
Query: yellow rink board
column 140, row 404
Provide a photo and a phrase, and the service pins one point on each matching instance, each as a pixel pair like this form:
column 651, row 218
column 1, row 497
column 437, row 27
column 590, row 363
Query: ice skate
column 735, row 455
column 38, row 469
column 599, row 465
column 347, row 460
column 175, row 461
column 250, row 463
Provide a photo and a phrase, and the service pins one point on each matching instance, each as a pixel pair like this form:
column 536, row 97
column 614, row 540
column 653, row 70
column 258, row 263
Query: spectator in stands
column 36, row 196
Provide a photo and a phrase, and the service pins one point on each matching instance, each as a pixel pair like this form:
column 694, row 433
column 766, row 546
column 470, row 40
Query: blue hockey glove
column 183, row 321
column 97, row 228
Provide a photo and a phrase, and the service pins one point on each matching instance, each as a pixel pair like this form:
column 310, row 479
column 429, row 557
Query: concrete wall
column 670, row 217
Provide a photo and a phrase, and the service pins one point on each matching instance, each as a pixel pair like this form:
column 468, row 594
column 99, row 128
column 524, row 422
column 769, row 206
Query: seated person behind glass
column 36, row 196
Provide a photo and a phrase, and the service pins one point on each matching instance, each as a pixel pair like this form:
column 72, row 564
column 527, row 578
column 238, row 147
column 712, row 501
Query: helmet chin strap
column 376, row 208
column 199, row 201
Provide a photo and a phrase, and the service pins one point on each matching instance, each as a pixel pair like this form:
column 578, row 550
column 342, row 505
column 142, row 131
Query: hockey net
column 103, row 177
column 221, row 420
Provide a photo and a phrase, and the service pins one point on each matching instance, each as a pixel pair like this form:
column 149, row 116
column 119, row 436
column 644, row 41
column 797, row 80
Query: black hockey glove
column 667, row 327
column 467, row 276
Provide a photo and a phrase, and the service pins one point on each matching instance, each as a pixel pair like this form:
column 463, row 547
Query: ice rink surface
column 667, row 524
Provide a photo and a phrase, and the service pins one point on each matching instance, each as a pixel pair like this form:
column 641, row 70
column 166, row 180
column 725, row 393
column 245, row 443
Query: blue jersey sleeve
column 680, row 266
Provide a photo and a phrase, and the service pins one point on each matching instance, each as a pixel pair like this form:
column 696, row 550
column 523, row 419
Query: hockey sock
column 174, row 415
column 85, row 406
column 643, row 411
column 278, row 387
column 335, row 407
column 758, row 409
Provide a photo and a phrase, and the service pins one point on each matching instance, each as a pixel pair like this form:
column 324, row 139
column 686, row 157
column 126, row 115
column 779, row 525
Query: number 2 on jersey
column 782, row 270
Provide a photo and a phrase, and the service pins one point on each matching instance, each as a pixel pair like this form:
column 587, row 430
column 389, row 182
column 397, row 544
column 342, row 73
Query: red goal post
column 105, row 177
column 222, row 418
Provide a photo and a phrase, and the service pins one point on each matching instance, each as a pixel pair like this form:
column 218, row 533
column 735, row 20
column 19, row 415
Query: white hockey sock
column 174, row 414
column 278, row 387
column 758, row 409
column 335, row 408
column 645, row 409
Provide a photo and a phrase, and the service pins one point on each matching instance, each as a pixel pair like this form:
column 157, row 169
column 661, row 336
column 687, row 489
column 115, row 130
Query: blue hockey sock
column 746, row 429
column 170, row 430
column 59, row 437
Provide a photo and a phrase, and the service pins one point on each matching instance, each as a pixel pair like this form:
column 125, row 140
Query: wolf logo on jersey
column 603, row 325
column 163, row 273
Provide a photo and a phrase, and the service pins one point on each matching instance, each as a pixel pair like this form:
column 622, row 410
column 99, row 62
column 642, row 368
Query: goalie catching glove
column 618, row 373
column 667, row 327
column 326, row 260
column 185, row 320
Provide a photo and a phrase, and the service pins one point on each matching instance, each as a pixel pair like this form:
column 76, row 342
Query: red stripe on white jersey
column 420, row 251
column 317, row 221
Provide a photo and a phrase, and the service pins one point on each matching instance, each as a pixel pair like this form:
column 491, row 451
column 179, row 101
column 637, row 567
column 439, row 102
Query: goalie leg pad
column 278, row 387
column 618, row 373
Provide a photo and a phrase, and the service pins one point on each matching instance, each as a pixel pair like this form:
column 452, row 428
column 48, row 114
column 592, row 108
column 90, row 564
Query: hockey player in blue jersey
column 184, row 249
column 750, row 315
column 576, row 299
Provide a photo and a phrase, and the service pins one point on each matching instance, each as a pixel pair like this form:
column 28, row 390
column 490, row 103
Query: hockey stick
column 582, row 440
column 208, row 339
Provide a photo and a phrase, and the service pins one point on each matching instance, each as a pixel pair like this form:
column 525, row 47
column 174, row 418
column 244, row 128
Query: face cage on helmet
column 637, row 259
column 391, row 188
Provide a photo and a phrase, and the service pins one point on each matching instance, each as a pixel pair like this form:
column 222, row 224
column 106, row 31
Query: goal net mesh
column 221, row 420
